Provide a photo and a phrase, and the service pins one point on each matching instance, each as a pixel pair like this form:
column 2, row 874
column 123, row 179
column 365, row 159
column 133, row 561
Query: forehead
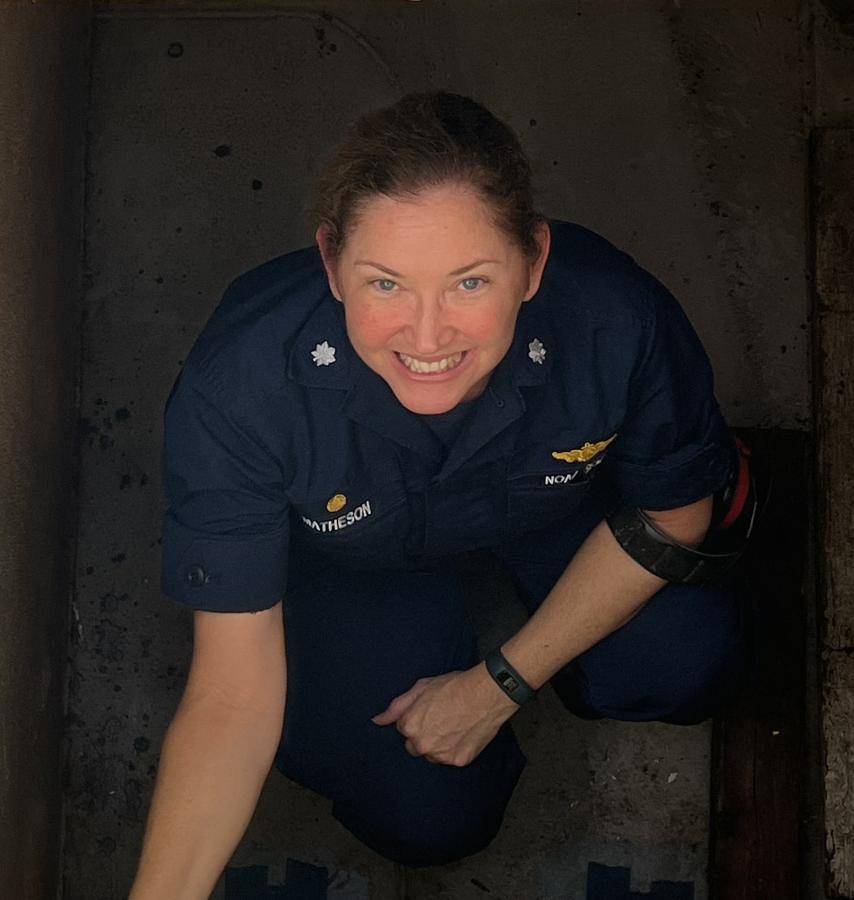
column 451, row 218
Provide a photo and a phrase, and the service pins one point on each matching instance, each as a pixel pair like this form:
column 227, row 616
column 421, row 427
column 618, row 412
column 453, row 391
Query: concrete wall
column 42, row 100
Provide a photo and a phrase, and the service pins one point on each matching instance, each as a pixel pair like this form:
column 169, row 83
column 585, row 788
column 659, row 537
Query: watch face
column 508, row 680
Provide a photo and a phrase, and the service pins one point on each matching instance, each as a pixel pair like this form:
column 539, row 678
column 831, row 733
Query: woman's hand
column 449, row 718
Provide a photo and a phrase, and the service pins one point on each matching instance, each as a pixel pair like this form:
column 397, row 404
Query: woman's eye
column 384, row 285
column 472, row 284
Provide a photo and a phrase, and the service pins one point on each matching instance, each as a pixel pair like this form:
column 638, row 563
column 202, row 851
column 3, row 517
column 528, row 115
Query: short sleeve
column 674, row 447
column 225, row 531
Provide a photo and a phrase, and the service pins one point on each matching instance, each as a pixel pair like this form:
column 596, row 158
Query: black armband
column 734, row 517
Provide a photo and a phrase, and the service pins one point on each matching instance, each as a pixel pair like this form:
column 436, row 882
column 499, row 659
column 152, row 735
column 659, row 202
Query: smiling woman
column 445, row 369
column 435, row 333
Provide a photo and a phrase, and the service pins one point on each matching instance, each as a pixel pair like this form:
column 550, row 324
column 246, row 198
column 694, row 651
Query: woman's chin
column 423, row 404
column 431, row 400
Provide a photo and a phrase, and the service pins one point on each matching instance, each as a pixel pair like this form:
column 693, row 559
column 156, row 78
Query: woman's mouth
column 422, row 367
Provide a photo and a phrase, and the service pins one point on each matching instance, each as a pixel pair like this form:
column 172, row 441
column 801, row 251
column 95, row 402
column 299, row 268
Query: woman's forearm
column 213, row 764
column 600, row 590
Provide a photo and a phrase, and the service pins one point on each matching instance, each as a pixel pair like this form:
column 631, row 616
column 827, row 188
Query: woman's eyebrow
column 478, row 262
column 367, row 262
column 474, row 265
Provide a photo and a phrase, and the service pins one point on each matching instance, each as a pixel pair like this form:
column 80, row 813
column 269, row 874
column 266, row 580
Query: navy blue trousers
column 355, row 640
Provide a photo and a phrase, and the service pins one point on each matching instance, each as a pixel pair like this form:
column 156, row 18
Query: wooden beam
column 832, row 169
column 758, row 740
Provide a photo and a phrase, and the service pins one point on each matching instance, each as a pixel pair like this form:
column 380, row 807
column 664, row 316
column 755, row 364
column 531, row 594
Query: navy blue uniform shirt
column 280, row 443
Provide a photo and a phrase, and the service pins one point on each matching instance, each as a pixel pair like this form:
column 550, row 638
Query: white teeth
column 424, row 368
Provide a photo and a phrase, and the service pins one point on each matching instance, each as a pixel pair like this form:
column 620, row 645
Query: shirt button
column 197, row 575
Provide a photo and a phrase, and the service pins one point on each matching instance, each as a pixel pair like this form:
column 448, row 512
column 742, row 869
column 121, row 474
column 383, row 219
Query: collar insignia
column 583, row 454
column 537, row 351
column 323, row 354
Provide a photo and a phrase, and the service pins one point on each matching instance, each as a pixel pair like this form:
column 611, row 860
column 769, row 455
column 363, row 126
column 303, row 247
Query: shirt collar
column 533, row 351
column 323, row 332
column 367, row 398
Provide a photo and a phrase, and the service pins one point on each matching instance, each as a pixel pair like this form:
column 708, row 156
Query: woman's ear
column 321, row 236
column 544, row 241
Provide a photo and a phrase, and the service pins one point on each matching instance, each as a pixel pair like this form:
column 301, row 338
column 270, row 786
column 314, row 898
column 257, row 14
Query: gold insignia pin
column 336, row 503
column 583, row 454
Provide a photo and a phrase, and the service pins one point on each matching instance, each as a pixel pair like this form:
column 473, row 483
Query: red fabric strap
column 742, row 488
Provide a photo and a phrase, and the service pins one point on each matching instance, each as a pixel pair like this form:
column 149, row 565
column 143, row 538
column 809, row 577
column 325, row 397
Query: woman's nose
column 430, row 330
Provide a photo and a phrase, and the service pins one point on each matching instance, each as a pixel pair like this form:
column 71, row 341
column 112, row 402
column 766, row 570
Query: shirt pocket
column 362, row 526
column 546, row 482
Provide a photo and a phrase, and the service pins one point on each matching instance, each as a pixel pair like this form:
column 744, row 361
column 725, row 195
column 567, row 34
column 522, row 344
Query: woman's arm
column 216, row 755
column 600, row 590
column 450, row 718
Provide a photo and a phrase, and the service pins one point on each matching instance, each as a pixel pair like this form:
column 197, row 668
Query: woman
column 446, row 370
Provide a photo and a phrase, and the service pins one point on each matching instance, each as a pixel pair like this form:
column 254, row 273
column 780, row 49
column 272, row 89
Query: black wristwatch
column 507, row 678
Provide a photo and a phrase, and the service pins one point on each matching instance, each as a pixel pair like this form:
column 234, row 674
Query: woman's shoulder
column 242, row 348
column 589, row 275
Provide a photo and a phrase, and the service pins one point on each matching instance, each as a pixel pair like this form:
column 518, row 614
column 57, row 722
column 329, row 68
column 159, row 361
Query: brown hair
column 424, row 140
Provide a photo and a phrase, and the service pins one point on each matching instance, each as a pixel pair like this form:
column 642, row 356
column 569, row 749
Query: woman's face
column 431, row 291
